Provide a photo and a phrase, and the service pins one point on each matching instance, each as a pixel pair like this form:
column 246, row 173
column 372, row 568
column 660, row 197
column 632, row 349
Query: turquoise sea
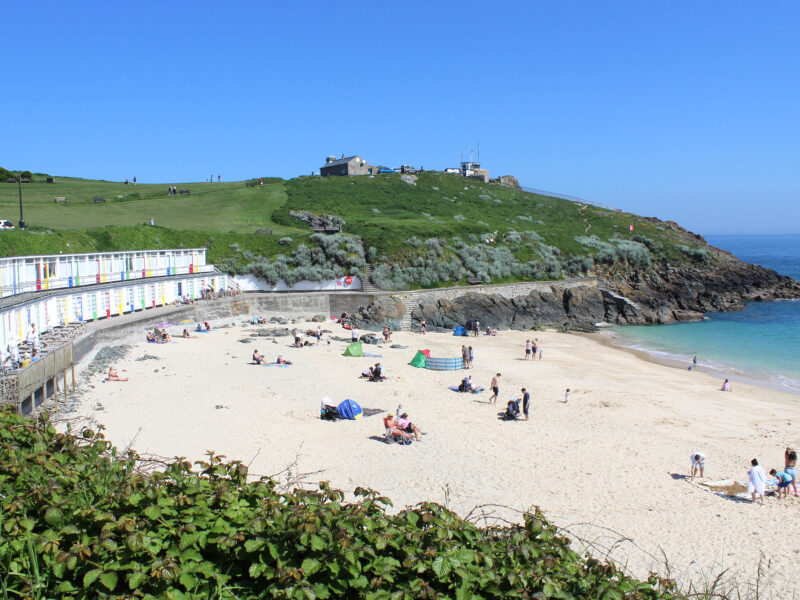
column 761, row 342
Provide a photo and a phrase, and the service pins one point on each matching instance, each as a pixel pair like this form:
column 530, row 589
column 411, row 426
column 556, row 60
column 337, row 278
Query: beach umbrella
column 187, row 321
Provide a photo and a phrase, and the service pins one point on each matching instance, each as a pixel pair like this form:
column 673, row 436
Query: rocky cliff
column 662, row 294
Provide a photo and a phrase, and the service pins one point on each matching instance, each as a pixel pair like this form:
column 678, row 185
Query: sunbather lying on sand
column 282, row 361
column 186, row 334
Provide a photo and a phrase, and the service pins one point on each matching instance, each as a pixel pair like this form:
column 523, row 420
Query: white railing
column 57, row 283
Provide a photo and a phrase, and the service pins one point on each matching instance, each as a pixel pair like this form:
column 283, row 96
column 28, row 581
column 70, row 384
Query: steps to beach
column 366, row 284
column 410, row 303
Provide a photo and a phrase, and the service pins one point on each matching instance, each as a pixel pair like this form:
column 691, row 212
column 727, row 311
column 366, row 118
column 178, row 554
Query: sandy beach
column 610, row 465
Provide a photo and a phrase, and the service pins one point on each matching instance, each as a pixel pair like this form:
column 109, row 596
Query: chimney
column 329, row 159
column 342, row 155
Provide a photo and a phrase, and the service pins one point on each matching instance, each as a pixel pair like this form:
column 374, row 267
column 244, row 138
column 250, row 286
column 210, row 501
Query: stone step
column 366, row 284
column 410, row 302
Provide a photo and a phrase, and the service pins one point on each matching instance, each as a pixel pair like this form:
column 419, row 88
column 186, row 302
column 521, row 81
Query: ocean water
column 761, row 342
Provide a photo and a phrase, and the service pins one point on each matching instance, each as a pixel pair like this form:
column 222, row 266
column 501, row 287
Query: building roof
column 341, row 161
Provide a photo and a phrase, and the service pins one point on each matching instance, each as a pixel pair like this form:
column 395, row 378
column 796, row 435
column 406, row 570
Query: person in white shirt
column 698, row 463
column 354, row 334
column 756, row 481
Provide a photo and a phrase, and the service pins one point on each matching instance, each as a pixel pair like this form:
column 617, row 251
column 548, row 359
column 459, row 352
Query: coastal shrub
column 651, row 245
column 285, row 241
column 513, row 237
column 459, row 217
column 372, row 252
column 532, row 236
column 234, row 247
column 414, row 242
column 81, row 521
column 633, row 253
column 697, row 254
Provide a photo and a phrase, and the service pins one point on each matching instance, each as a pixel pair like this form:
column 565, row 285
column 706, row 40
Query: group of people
column 160, row 336
column 259, row 359
column 375, row 373
column 400, row 426
column 531, row 348
column 467, row 355
column 756, row 476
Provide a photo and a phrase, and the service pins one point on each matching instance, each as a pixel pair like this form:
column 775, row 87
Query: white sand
column 610, row 458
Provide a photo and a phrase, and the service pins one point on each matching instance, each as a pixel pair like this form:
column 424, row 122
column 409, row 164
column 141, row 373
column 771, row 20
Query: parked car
column 6, row 224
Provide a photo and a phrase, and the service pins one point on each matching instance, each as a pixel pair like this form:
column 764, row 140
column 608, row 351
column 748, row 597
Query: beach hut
column 460, row 331
column 349, row 409
column 354, row 349
column 419, row 360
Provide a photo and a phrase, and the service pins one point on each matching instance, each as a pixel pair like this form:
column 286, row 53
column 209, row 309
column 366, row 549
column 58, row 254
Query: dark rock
column 318, row 319
column 385, row 311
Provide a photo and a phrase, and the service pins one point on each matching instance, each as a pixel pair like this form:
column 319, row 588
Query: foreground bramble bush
column 79, row 521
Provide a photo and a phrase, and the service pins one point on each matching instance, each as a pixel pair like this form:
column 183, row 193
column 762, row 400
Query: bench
column 474, row 280
column 249, row 184
column 99, row 199
column 60, row 199
column 184, row 192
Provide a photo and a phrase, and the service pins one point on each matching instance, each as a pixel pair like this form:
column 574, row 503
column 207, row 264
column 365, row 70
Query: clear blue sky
column 681, row 110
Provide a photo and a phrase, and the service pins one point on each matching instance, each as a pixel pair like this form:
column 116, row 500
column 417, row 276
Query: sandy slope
column 611, row 458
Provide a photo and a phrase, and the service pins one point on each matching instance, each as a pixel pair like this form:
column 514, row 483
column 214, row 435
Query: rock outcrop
column 658, row 296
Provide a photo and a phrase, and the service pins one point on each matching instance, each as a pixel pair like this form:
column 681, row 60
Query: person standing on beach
column 536, row 349
column 698, row 463
column 495, row 385
column 527, row 349
column 476, row 328
column 464, row 356
column 526, row 403
column 566, row 396
column 694, row 364
column 354, row 334
column 471, row 356
column 756, row 481
column 423, row 327
column 790, row 462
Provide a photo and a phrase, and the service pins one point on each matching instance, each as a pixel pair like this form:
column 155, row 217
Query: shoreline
column 608, row 338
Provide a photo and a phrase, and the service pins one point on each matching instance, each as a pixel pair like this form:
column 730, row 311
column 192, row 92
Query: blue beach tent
column 349, row 409
column 460, row 331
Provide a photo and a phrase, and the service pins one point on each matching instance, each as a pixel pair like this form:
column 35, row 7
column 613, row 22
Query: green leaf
column 109, row 579
column 441, row 566
column 310, row 566
column 90, row 577
column 255, row 544
column 135, row 579
column 317, row 543
column 188, row 581
column 152, row 512
column 190, row 554
column 322, row 591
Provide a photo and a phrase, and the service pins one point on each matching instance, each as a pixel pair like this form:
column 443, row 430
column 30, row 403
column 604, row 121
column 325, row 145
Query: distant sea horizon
column 760, row 343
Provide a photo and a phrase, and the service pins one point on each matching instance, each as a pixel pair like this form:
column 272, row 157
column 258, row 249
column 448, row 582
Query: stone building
column 350, row 165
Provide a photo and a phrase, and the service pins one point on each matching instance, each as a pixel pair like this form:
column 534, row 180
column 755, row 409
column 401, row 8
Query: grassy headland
column 442, row 229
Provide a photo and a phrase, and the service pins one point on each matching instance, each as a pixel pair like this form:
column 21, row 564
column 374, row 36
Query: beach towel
column 373, row 355
column 476, row 390
column 276, row 365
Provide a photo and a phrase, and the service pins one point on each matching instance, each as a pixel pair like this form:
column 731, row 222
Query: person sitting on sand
column 387, row 334
column 186, row 334
column 367, row 373
column 391, row 424
column 282, row 361
column 406, row 425
column 784, row 481
column 114, row 376
column 756, row 481
column 208, row 327
column 790, row 462
column 726, row 386
column 466, row 384
column 199, row 328
column 377, row 373
column 165, row 337
column 258, row 358
column 698, row 464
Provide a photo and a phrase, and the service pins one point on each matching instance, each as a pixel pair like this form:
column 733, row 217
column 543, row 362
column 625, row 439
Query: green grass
column 209, row 207
column 383, row 211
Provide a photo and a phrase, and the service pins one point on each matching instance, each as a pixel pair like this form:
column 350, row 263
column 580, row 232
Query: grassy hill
column 432, row 232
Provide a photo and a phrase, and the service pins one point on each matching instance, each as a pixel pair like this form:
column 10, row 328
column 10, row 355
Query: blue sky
column 681, row 110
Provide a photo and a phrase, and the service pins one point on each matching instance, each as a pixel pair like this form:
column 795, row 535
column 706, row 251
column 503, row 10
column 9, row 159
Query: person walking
column 495, row 385
column 527, row 350
column 465, row 356
column 756, row 481
column 526, row 403
column 566, row 396
column 471, row 356
column 423, row 327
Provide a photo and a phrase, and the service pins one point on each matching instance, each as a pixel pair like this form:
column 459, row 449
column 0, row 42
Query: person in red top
column 391, row 424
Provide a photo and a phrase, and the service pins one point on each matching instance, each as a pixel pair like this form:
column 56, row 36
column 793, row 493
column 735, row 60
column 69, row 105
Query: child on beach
column 726, row 386
column 784, row 481
column 566, row 396
column 114, row 376
column 698, row 464
column 756, row 481
column 790, row 468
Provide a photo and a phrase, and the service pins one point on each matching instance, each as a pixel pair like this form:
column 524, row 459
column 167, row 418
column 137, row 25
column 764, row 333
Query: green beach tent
column 354, row 349
column 419, row 360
